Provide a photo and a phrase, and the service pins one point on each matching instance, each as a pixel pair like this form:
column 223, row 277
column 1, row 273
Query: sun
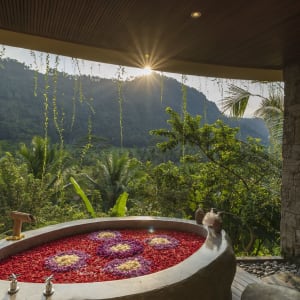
column 146, row 71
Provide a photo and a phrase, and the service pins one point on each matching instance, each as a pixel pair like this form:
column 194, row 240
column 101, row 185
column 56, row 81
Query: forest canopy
column 78, row 147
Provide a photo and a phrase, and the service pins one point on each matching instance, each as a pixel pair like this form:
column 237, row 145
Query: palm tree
column 270, row 109
column 42, row 157
column 111, row 175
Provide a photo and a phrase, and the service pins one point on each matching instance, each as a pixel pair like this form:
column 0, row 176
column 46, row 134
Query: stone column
column 290, row 194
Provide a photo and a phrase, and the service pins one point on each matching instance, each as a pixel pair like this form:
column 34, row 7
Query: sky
column 215, row 89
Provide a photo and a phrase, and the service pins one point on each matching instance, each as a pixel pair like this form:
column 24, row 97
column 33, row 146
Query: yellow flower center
column 129, row 265
column 159, row 240
column 106, row 235
column 66, row 260
column 120, row 247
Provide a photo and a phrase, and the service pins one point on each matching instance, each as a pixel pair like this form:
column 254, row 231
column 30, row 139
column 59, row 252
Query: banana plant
column 83, row 196
column 120, row 209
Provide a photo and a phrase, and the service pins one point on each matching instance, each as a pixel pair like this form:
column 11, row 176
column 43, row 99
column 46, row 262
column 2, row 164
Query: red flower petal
column 34, row 258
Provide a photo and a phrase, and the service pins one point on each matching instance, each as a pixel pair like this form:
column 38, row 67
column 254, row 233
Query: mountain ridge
column 72, row 101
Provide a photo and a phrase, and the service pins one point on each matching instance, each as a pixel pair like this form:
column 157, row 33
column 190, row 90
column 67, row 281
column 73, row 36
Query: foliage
column 237, row 102
column 37, row 162
column 19, row 190
column 270, row 109
column 96, row 99
column 83, row 196
column 119, row 209
column 120, row 75
column 160, row 190
column 239, row 178
column 111, row 175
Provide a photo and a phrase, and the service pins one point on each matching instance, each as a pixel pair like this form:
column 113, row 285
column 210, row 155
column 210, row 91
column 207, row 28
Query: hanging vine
column 2, row 52
column 120, row 76
column 161, row 86
column 46, row 113
column 75, row 91
column 204, row 102
column 184, row 111
column 89, row 144
column 58, row 123
column 36, row 73
column 78, row 90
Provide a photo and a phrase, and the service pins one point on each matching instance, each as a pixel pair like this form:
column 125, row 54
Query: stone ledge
column 258, row 258
column 286, row 279
column 263, row 291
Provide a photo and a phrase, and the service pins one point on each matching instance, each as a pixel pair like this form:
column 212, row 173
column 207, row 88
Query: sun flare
column 147, row 70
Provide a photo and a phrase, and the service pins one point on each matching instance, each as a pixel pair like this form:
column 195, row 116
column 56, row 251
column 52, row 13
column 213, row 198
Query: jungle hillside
column 144, row 100
column 74, row 147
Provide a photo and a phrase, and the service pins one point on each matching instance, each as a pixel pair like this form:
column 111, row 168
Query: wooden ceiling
column 234, row 38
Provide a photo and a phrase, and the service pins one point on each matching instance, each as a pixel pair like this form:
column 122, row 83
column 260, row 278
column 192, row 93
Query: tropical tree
column 42, row 157
column 239, row 178
column 19, row 190
column 270, row 109
column 161, row 190
column 111, row 175
column 51, row 164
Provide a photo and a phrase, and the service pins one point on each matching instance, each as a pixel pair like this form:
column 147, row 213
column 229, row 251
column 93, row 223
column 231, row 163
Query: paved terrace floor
column 240, row 282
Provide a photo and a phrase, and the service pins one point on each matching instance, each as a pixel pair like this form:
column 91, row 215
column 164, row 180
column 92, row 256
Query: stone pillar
column 290, row 194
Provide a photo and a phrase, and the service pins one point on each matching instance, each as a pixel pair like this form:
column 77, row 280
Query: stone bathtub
column 207, row 274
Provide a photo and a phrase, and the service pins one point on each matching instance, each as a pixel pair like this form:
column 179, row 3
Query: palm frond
column 271, row 105
column 236, row 102
column 271, row 111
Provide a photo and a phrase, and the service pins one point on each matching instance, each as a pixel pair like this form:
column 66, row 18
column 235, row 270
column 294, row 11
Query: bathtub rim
column 214, row 248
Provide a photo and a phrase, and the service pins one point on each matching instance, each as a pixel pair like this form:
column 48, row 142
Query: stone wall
column 290, row 211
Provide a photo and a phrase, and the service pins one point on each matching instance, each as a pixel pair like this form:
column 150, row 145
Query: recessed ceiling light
column 196, row 14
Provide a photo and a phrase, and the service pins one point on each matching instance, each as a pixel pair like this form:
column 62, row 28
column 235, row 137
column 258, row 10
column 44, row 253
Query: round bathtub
column 207, row 274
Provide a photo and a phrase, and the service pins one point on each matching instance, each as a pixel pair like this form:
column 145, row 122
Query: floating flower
column 120, row 248
column 66, row 261
column 34, row 258
column 128, row 267
column 161, row 242
column 104, row 235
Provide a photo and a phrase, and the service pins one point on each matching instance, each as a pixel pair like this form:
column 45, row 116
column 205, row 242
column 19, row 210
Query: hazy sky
column 214, row 89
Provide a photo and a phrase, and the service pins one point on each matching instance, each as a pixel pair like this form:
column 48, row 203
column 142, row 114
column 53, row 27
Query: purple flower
column 120, row 248
column 128, row 267
column 66, row 261
column 161, row 242
column 105, row 235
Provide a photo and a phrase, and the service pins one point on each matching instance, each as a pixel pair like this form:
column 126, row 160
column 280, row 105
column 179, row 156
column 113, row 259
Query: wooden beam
column 112, row 56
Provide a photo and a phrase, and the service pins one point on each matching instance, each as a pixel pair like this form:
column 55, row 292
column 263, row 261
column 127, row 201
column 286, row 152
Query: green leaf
column 83, row 196
column 237, row 101
column 119, row 209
